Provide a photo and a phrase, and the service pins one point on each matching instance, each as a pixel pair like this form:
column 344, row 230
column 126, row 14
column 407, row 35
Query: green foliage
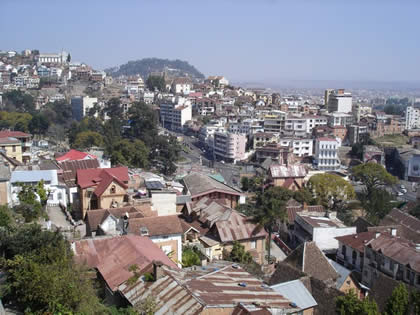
column 156, row 83
column 15, row 120
column 416, row 211
column 42, row 277
column 330, row 189
column 238, row 254
column 131, row 153
column 29, row 207
column 147, row 306
column 373, row 175
column 399, row 301
column 19, row 101
column 6, row 217
column 190, row 258
column 113, row 310
column 377, row 205
column 349, row 304
column 147, row 65
column 143, row 123
column 58, row 113
column 245, row 183
column 42, row 192
column 88, row 139
column 39, row 124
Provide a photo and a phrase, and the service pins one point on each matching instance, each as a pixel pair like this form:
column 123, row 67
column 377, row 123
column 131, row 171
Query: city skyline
column 264, row 41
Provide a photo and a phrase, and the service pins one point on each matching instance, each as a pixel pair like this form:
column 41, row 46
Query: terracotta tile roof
column 73, row 155
column 91, row 177
column 113, row 256
column 157, row 226
column 14, row 134
column 357, row 241
column 309, row 259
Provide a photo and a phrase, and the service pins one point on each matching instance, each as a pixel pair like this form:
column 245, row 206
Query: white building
column 229, row 146
column 53, row 58
column 321, row 230
column 300, row 147
column 274, row 122
column 340, row 119
column 340, row 101
column 175, row 113
column 326, row 154
column 57, row 190
column 82, row 105
column 182, row 86
column 412, row 117
column 246, row 127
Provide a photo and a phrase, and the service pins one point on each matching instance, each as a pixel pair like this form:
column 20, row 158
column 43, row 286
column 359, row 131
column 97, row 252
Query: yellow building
column 12, row 147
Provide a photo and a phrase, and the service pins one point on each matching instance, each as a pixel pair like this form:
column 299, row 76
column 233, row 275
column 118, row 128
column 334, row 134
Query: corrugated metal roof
column 296, row 292
column 34, row 176
column 283, row 171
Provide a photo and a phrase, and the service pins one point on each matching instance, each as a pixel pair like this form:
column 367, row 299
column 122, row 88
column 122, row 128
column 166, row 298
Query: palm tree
column 268, row 211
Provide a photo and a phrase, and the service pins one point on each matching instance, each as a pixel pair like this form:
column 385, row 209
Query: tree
column 399, row 301
column 190, row 258
column 42, row 192
column 156, row 82
column 373, row 175
column 88, row 139
column 68, row 58
column 39, row 124
column 6, row 218
column 271, row 207
column 239, row 254
column 330, row 190
column 245, row 183
column 131, row 153
column 349, row 304
column 377, row 205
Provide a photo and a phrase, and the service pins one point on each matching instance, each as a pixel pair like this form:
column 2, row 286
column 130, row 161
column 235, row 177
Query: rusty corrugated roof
column 283, row 171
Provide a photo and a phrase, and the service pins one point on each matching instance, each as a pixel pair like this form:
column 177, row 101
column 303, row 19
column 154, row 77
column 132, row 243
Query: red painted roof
column 94, row 176
column 14, row 134
column 357, row 241
column 74, row 155
column 106, row 180
column 113, row 256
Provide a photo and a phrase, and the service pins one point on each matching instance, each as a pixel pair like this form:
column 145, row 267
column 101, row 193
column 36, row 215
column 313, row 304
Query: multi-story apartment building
column 229, row 146
column 340, row 101
column 246, row 127
column 81, row 106
column 300, row 147
column 175, row 113
column 412, row 117
column 340, row 119
column 275, row 122
column 300, row 126
column 326, row 154
column 393, row 256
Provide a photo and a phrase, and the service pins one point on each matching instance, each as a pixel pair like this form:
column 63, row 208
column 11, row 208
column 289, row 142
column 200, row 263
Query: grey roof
column 296, row 292
column 198, row 184
column 154, row 185
column 34, row 176
column 182, row 199
column 343, row 273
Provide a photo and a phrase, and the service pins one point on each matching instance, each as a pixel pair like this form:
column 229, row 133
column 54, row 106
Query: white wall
column 325, row 237
column 164, row 203
column 174, row 237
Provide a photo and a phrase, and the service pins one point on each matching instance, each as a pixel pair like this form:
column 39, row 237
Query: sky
column 245, row 40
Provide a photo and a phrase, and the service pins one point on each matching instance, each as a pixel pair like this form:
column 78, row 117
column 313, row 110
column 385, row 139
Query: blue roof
column 342, row 271
column 297, row 293
column 34, row 176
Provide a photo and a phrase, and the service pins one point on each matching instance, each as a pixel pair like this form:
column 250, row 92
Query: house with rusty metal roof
column 114, row 258
column 395, row 256
column 217, row 290
column 407, row 225
column 216, row 226
column 288, row 176
column 199, row 186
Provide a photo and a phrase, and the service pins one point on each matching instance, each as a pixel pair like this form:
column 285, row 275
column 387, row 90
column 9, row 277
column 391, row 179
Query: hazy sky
column 258, row 40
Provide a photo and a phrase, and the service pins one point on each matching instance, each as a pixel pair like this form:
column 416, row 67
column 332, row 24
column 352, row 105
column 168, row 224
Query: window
column 113, row 189
column 14, row 148
column 253, row 244
column 407, row 274
column 60, row 196
column 343, row 250
column 51, row 196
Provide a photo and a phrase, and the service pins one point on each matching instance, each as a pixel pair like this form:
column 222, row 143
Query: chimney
column 393, row 231
column 157, row 270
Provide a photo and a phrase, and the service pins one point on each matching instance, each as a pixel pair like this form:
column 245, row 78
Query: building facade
column 326, row 154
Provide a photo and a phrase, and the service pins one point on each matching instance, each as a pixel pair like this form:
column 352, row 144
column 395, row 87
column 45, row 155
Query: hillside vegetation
column 145, row 66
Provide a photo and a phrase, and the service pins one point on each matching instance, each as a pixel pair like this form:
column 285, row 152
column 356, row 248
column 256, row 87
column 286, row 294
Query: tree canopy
column 156, row 83
column 330, row 189
column 373, row 175
column 349, row 304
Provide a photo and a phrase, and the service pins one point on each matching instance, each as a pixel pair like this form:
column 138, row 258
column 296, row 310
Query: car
column 402, row 186
column 399, row 193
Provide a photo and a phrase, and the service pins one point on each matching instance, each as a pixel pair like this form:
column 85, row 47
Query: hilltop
column 146, row 66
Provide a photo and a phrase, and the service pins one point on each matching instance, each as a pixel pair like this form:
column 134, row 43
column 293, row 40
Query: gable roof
column 14, row 134
column 70, row 167
column 74, row 155
column 92, row 177
column 296, row 292
column 189, row 292
column 113, row 256
column 309, row 259
column 198, row 184
column 34, row 176
column 409, row 225
column 106, row 180
column 156, row 226
column 284, row 171
column 357, row 241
